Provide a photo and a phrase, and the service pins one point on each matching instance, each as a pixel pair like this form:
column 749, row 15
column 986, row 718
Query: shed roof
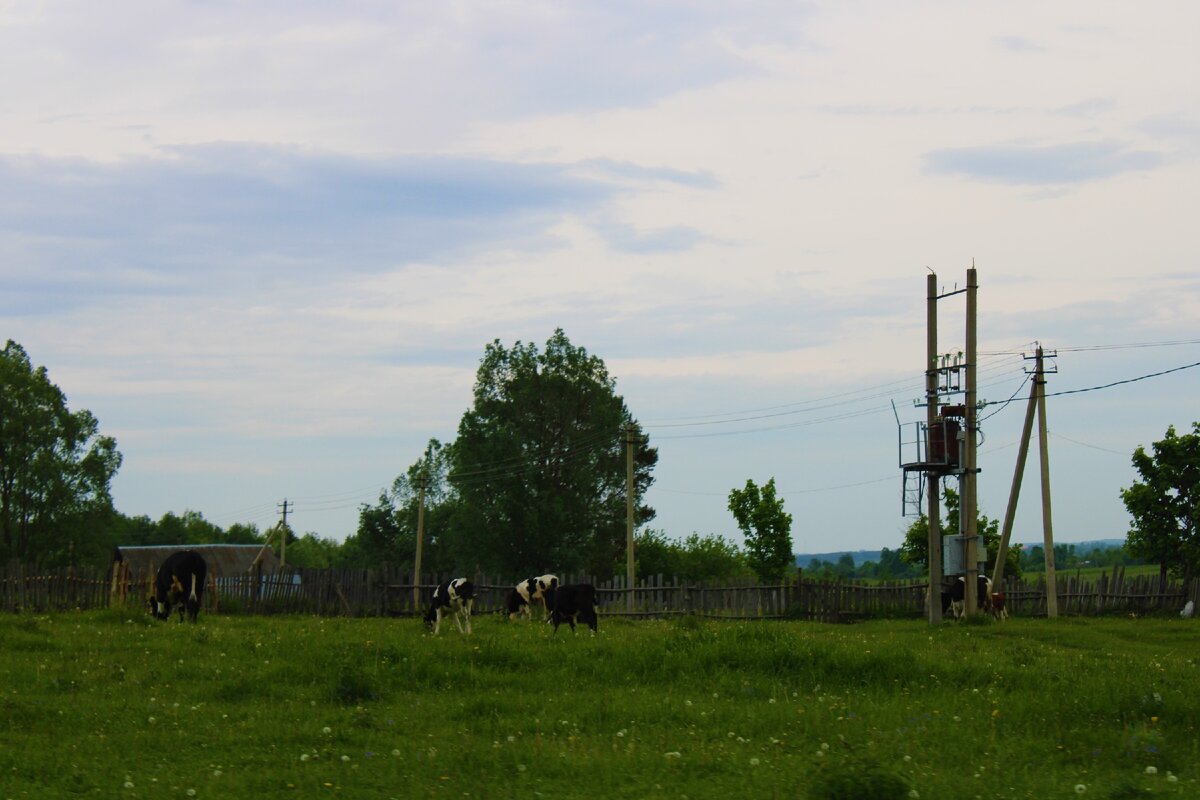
column 225, row 559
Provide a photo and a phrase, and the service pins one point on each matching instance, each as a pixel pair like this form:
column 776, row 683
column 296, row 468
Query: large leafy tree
column 539, row 465
column 767, row 528
column 915, row 549
column 55, row 467
column 1165, row 503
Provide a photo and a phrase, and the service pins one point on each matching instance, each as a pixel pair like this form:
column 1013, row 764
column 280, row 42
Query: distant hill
column 863, row 556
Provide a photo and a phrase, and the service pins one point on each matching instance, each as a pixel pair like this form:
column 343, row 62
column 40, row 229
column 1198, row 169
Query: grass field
column 1092, row 573
column 110, row 704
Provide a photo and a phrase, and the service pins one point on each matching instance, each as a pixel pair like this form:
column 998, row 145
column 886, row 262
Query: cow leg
column 437, row 621
column 589, row 616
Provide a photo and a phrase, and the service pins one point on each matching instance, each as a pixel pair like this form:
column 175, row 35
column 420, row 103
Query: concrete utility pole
column 969, row 502
column 934, row 594
column 1047, row 524
column 629, row 500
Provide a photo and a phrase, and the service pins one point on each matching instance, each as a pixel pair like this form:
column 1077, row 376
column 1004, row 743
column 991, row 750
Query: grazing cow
column 573, row 603
column 515, row 603
column 998, row 609
column 453, row 598
column 954, row 600
column 522, row 597
column 180, row 580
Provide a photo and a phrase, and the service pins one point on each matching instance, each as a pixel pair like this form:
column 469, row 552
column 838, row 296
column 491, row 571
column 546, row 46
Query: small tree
column 915, row 549
column 766, row 527
column 1165, row 505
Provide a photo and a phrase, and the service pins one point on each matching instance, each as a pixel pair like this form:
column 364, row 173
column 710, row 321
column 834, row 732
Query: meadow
column 112, row 704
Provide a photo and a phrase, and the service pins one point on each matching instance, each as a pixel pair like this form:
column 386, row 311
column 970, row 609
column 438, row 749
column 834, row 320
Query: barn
column 134, row 567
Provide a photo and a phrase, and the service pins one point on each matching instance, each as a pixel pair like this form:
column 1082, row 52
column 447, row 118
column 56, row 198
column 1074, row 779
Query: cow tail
column 192, row 596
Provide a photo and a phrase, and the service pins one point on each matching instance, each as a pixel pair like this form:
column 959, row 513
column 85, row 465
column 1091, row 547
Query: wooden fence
column 389, row 592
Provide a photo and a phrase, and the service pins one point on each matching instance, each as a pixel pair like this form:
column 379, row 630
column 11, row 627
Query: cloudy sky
column 266, row 243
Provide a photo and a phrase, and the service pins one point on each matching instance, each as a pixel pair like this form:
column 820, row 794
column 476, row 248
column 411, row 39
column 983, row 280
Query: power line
column 794, row 491
column 1085, row 444
column 1128, row 380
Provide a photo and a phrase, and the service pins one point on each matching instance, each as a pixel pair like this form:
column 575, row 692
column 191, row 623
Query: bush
column 857, row 779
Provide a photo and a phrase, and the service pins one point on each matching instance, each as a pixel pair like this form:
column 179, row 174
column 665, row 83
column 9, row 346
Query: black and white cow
column 515, row 604
column 180, row 581
column 453, row 598
column 954, row 600
column 573, row 603
column 521, row 598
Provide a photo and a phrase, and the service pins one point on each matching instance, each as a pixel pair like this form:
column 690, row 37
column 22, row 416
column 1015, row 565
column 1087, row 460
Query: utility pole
column 629, row 500
column 283, row 534
column 969, row 507
column 934, row 599
column 1014, row 493
column 420, row 533
column 1047, row 524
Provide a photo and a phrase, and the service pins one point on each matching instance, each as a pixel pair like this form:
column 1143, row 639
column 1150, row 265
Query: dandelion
column 1151, row 770
column 327, row 730
column 191, row 792
column 396, row 753
column 620, row 734
column 520, row 767
column 128, row 784
column 824, row 745
column 345, row 759
column 914, row 794
column 673, row 754
column 907, row 759
column 216, row 773
column 754, row 762
column 1080, row 788
column 1171, row 778
column 304, row 756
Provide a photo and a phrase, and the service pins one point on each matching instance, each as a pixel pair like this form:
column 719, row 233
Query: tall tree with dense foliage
column 915, row 549
column 1165, row 503
column 767, row 528
column 55, row 467
column 539, row 465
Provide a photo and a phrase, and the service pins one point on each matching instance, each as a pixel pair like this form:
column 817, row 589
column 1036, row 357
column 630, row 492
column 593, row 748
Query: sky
column 266, row 243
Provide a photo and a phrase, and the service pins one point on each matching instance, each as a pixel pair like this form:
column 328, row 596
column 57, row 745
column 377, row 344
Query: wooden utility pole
column 420, row 535
column 629, row 500
column 283, row 536
column 1047, row 524
column 969, row 502
column 1014, row 493
column 934, row 592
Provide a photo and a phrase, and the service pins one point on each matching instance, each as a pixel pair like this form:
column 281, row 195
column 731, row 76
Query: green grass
column 1092, row 573
column 107, row 704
